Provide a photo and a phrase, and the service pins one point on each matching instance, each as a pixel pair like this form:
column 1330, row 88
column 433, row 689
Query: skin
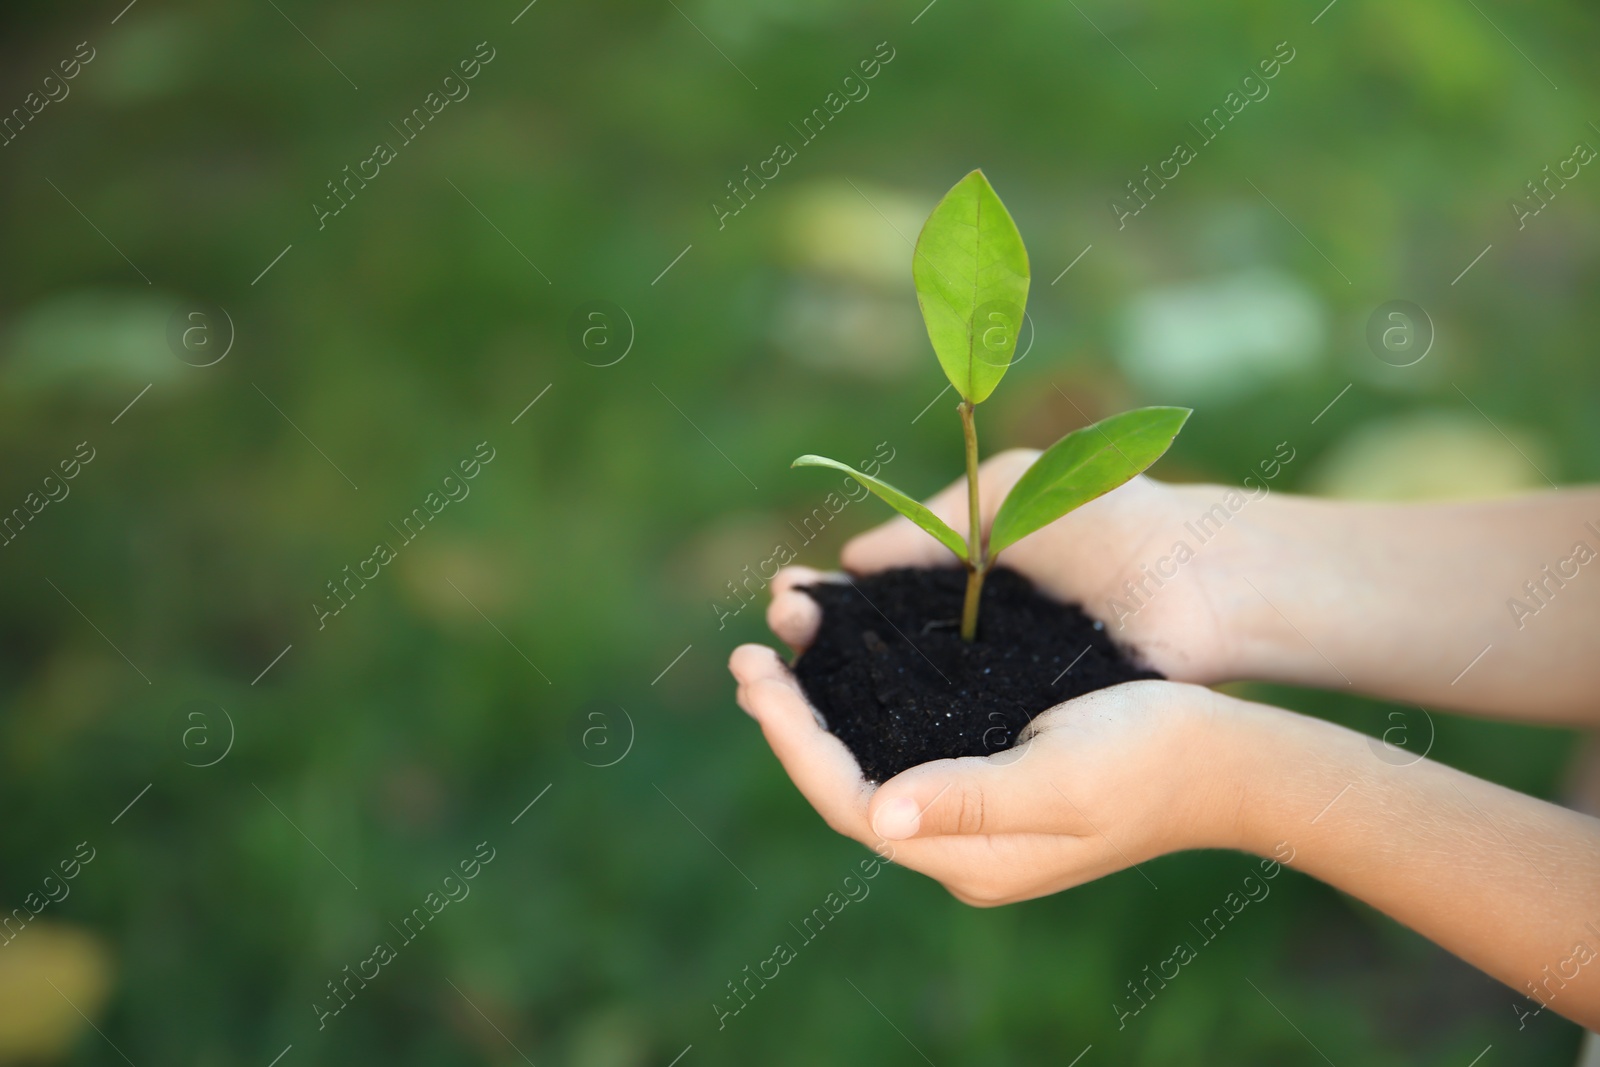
column 1389, row 600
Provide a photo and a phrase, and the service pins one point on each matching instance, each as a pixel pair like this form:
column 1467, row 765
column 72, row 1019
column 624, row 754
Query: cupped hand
column 1114, row 556
column 1094, row 785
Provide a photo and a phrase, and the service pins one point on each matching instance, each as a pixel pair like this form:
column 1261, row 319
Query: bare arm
column 1509, row 883
column 1491, row 607
column 1393, row 600
column 1213, row 583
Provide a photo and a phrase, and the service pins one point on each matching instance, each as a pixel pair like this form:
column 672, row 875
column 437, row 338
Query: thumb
column 902, row 543
column 1001, row 794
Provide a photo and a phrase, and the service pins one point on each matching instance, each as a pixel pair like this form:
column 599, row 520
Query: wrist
column 1209, row 747
column 1261, row 774
column 1269, row 581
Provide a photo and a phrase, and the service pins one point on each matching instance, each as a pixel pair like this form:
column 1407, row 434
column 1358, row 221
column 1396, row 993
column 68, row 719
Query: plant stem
column 969, row 609
column 977, row 563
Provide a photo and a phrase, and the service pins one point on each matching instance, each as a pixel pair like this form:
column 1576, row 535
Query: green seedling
column 971, row 274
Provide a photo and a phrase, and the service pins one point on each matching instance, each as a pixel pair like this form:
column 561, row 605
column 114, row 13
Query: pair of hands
column 1400, row 597
column 1096, row 784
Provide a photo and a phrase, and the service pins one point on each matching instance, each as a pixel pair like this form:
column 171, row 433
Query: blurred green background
column 524, row 640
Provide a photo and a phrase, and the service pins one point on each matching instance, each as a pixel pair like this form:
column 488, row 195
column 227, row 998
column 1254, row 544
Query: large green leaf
column 1081, row 466
column 911, row 509
column 971, row 272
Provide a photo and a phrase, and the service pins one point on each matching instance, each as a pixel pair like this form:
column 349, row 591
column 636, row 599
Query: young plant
column 971, row 274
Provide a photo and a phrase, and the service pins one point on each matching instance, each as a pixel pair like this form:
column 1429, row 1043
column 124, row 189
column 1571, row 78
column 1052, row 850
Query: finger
column 829, row 778
column 794, row 617
column 791, row 578
column 1007, row 793
column 817, row 762
column 902, row 543
column 821, row 766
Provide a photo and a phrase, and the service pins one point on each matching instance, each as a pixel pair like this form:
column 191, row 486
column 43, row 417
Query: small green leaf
column 911, row 509
column 1081, row 466
column 971, row 271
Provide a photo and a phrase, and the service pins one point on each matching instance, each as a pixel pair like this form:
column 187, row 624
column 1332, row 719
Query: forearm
column 1487, row 606
column 1508, row 883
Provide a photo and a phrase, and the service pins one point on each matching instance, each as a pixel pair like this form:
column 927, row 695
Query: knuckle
column 969, row 810
column 1010, row 463
column 1001, row 471
column 1011, row 457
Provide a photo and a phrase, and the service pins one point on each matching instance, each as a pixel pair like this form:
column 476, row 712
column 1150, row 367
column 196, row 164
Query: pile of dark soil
column 897, row 684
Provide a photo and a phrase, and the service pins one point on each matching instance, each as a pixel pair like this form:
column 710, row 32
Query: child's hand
column 1173, row 622
column 1122, row 775
column 1389, row 599
column 1207, row 583
column 1094, row 785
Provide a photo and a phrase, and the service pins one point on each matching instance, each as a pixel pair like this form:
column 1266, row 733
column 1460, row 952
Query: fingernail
column 898, row 819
